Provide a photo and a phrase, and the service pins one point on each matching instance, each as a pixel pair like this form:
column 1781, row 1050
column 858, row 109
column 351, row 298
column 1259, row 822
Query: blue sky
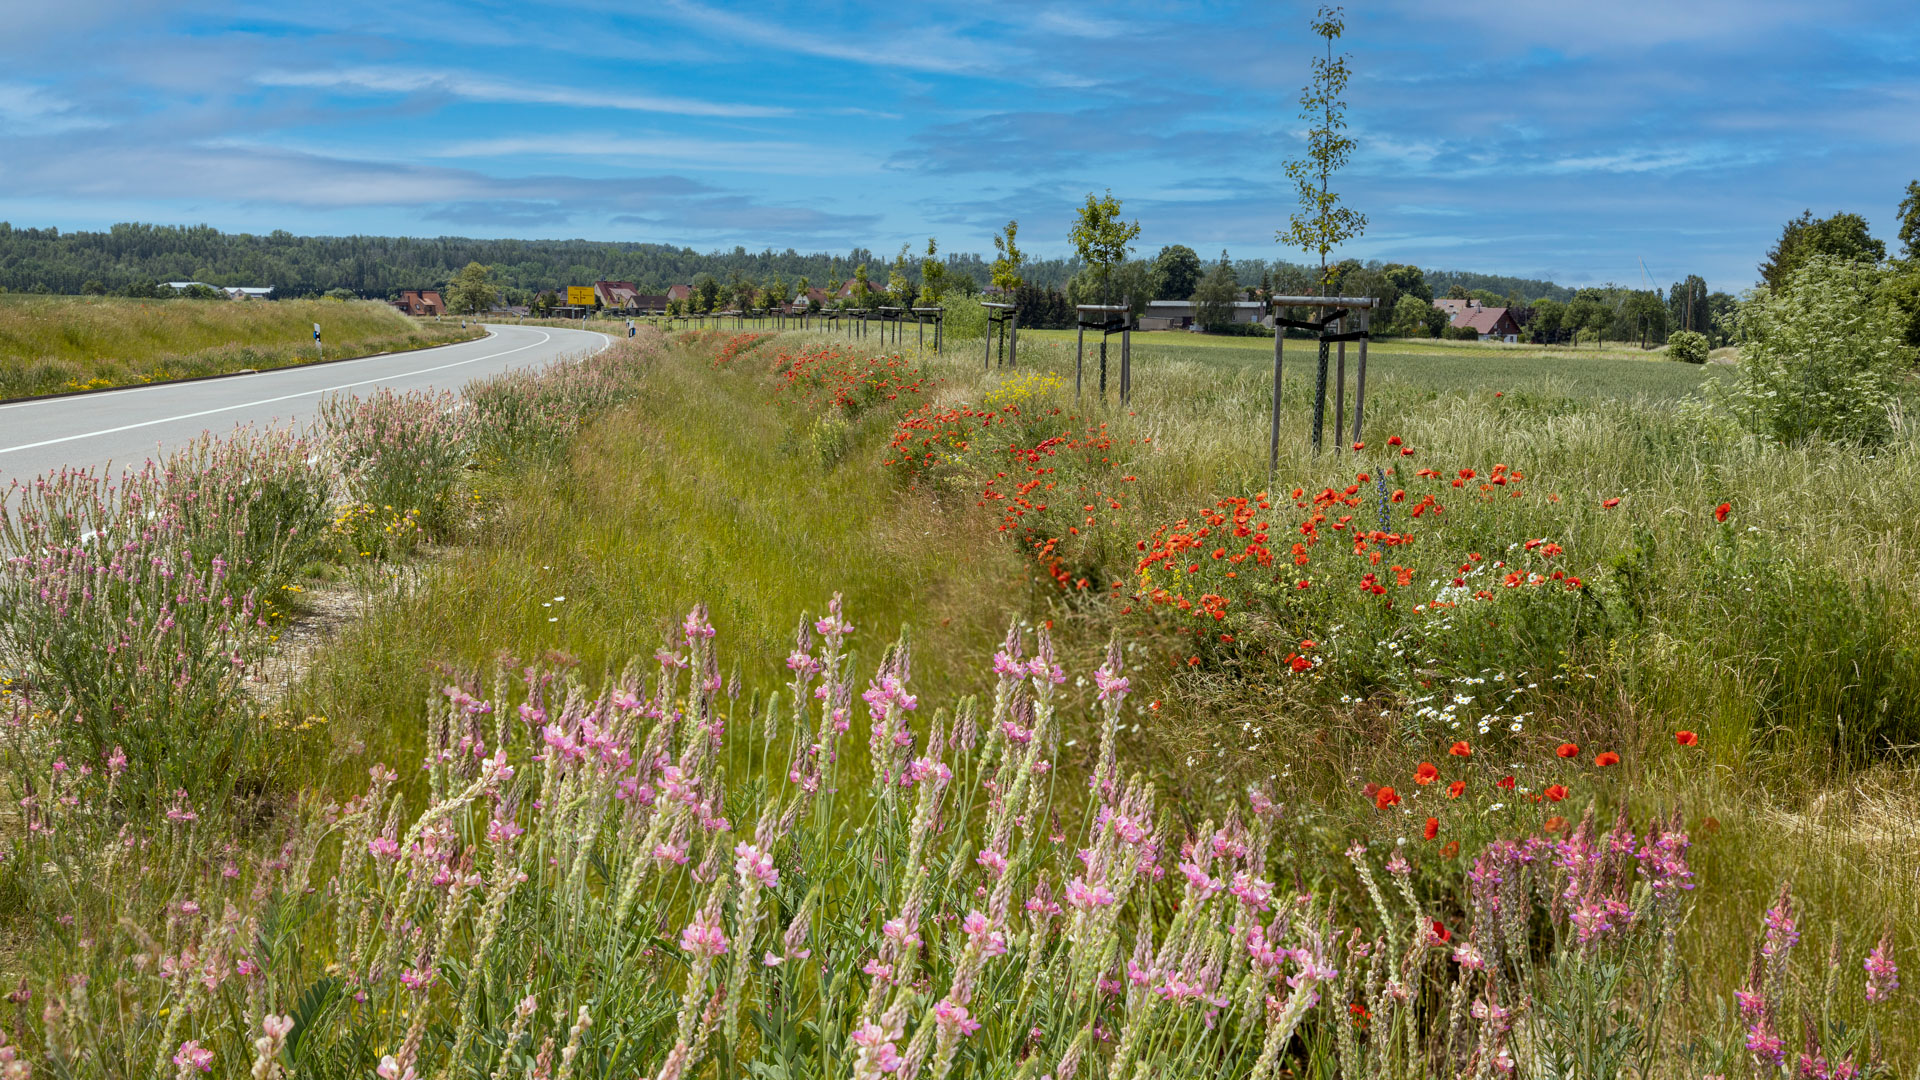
column 1554, row 140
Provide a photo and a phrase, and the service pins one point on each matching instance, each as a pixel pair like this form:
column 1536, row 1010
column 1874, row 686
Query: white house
column 1180, row 314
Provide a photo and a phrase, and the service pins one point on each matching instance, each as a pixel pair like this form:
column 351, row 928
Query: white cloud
column 656, row 150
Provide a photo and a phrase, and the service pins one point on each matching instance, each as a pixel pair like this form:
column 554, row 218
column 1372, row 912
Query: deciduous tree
column 1322, row 223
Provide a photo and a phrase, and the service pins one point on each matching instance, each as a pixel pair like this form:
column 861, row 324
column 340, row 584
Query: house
column 1492, row 324
column 679, row 292
column 618, row 295
column 1457, row 307
column 1180, row 314
column 244, row 292
column 420, row 302
column 650, row 302
column 810, row 298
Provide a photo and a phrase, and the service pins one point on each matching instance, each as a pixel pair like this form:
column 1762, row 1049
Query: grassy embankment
column 53, row 344
column 1783, row 636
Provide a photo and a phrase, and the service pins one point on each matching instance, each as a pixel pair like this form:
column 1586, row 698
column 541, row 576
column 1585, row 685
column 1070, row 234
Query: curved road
column 125, row 427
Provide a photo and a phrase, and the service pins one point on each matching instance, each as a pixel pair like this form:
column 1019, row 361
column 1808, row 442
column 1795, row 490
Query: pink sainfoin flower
column 703, row 938
column 995, row 862
column 752, row 863
column 897, row 931
column 1252, row 891
column 980, row 928
column 925, row 768
column 1112, row 687
column 1082, row 895
column 384, row 847
column 881, row 971
column 192, row 1055
column 117, row 762
column 1883, row 977
column 1781, row 932
column 696, row 625
column 417, row 978
column 954, row 1017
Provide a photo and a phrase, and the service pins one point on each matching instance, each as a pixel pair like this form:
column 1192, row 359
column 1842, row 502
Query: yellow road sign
column 580, row 295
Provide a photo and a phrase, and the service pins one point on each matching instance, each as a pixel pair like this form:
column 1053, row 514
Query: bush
column 1687, row 346
column 1820, row 357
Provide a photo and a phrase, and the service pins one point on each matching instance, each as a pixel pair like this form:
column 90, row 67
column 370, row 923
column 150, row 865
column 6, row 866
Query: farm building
column 679, row 292
column 1180, row 314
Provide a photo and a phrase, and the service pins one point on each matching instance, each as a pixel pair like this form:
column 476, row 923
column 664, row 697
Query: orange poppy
column 1609, row 504
column 1606, row 758
column 1433, row 828
column 1425, row 774
column 1555, row 792
column 1720, row 512
column 1554, row 824
column 1386, row 797
column 1686, row 738
column 1461, row 749
column 1568, row 750
column 1456, row 789
column 1451, row 849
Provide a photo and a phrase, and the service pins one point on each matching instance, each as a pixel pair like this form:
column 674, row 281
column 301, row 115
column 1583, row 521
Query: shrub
column 1687, row 346
column 1820, row 357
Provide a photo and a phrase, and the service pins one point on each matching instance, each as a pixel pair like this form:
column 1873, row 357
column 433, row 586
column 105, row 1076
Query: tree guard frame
column 1118, row 319
column 1003, row 319
column 1341, row 307
column 924, row 315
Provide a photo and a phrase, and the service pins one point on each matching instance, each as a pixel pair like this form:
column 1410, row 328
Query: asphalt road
column 125, row 427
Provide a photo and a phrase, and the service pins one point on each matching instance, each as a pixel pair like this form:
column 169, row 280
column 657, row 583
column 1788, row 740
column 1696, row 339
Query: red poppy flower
column 1433, row 828
column 1555, row 792
column 1460, row 749
column 1505, row 783
column 1451, row 849
column 1606, row 758
column 1568, row 750
column 1456, row 789
column 1720, row 512
column 1386, row 797
column 1425, row 774
column 1686, row 738
column 1439, row 934
column 1609, row 504
column 1554, row 824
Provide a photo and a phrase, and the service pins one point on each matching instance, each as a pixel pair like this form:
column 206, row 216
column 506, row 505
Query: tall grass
column 54, row 344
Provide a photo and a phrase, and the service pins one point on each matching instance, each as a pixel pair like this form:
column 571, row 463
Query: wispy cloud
column 33, row 110
column 371, row 80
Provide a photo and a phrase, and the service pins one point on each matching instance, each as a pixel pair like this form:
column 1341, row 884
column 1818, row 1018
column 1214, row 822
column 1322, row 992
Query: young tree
column 933, row 275
column 861, row 288
column 899, row 286
column 1321, row 223
column 1409, row 279
column 1101, row 239
column 472, row 290
column 1008, row 259
column 1176, row 270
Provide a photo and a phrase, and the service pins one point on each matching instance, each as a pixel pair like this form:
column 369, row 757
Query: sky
column 1628, row 142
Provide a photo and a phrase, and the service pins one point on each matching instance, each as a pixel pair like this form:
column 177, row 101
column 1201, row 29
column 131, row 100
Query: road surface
column 125, row 427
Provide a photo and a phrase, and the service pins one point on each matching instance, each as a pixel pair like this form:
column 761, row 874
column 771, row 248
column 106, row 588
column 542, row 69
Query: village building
column 1490, row 323
column 421, row 302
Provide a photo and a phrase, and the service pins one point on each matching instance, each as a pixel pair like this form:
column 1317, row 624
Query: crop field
column 52, row 344
column 789, row 706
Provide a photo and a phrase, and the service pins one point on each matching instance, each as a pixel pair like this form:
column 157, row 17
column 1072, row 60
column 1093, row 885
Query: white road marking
column 544, row 338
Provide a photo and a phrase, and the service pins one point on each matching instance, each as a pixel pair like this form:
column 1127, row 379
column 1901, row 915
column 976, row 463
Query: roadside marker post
column 316, row 340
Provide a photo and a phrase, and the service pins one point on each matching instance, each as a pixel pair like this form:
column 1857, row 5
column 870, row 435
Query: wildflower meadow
column 779, row 705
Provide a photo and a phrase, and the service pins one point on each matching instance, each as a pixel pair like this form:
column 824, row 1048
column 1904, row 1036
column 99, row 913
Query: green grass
column 1757, row 634
column 53, row 344
column 1435, row 365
